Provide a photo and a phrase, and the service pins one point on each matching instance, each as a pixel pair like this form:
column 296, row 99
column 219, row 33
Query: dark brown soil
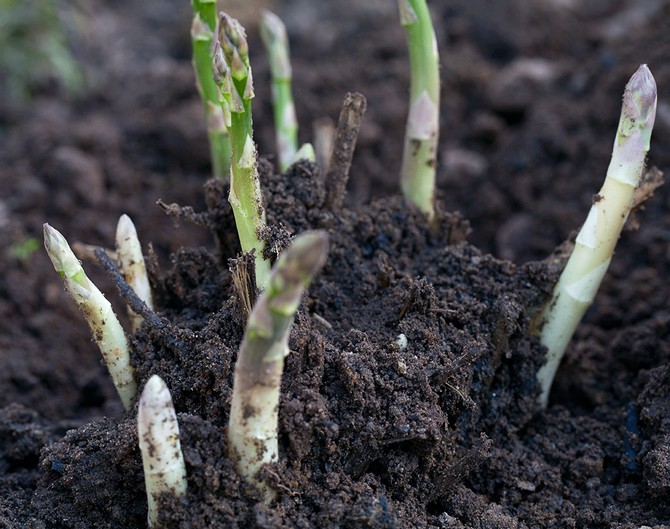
column 440, row 434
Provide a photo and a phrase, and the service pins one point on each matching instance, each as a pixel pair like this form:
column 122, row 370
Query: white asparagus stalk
column 594, row 246
column 105, row 326
column 131, row 265
column 162, row 458
column 252, row 428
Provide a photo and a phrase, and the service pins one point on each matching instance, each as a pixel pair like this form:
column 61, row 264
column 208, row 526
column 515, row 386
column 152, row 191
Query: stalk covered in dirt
column 203, row 29
column 232, row 74
column 252, row 429
column 158, row 433
column 594, row 246
column 419, row 159
column 105, row 326
column 131, row 265
column 273, row 34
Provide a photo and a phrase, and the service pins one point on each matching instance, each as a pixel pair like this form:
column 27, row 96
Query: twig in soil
column 348, row 126
column 273, row 34
column 594, row 246
column 137, row 305
column 105, row 326
column 459, row 470
column 651, row 180
column 86, row 252
column 242, row 272
column 232, row 74
column 417, row 176
column 185, row 213
column 252, row 428
column 162, row 458
column 203, row 28
column 131, row 265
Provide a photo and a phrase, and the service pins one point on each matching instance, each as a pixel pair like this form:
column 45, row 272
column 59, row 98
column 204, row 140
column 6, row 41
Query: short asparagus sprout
column 252, row 430
column 158, row 433
column 273, row 34
column 105, row 326
column 594, row 246
column 232, row 74
column 421, row 135
column 305, row 152
column 131, row 264
column 203, row 29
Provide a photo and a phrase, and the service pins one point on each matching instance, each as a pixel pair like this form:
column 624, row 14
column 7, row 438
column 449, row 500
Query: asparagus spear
column 158, row 433
column 273, row 34
column 203, row 28
column 252, row 429
column 105, row 326
column 131, row 264
column 594, row 246
column 232, row 74
column 421, row 135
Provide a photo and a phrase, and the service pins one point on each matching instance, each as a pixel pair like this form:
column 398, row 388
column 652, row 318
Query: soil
column 443, row 433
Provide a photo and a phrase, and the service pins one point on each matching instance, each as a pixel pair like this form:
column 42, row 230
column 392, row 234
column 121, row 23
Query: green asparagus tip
column 639, row 99
column 64, row 260
column 307, row 255
column 233, row 40
column 273, row 33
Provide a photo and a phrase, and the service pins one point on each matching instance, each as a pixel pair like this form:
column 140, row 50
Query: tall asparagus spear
column 232, row 74
column 273, row 34
column 203, row 28
column 252, row 429
column 105, row 326
column 419, row 159
column 594, row 246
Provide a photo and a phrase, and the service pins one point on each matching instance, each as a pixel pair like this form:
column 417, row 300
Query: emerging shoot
column 419, row 160
column 232, row 74
column 594, row 246
column 105, row 326
column 252, row 429
column 158, row 433
column 273, row 34
column 305, row 152
column 203, row 29
column 131, row 264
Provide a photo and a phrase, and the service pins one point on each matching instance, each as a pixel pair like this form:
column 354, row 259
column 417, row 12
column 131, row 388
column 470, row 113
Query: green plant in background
column 577, row 286
column 203, row 29
column 273, row 34
column 105, row 326
column 232, row 74
column 162, row 458
column 34, row 48
column 24, row 249
column 419, row 160
column 252, row 428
